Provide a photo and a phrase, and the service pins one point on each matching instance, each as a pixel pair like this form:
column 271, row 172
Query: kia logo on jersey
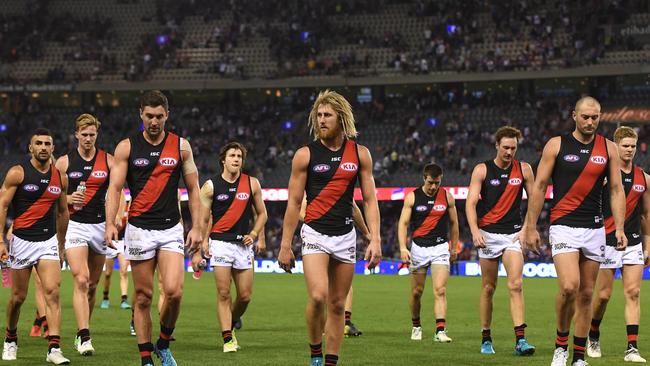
column 30, row 187
column 638, row 188
column 597, row 159
column 321, row 168
column 75, row 175
column 222, row 197
column 141, row 162
column 571, row 158
column 54, row 190
column 514, row 181
column 99, row 174
column 439, row 208
column 242, row 196
column 495, row 182
column 349, row 167
column 421, row 208
column 167, row 161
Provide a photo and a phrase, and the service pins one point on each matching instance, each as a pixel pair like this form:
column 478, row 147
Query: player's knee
column 224, row 295
column 632, row 293
column 489, row 289
column 81, row 281
column 143, row 297
column 416, row 292
column 440, row 291
column 18, row 298
column 244, row 297
column 569, row 290
column 604, row 295
column 515, row 286
column 585, row 296
column 318, row 299
column 92, row 288
column 337, row 306
column 51, row 295
column 174, row 295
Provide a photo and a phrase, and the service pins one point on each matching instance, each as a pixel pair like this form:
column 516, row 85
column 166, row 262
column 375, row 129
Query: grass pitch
column 274, row 330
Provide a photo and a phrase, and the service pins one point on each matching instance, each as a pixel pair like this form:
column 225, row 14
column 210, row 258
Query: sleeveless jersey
column 95, row 173
column 634, row 185
column 429, row 218
column 331, row 176
column 153, row 175
column 231, row 208
column 35, row 202
column 578, row 176
column 499, row 209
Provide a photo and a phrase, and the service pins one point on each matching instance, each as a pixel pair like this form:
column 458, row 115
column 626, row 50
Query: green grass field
column 274, row 327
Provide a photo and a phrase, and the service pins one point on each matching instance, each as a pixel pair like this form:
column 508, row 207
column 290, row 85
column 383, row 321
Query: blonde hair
column 343, row 111
column 623, row 132
column 86, row 120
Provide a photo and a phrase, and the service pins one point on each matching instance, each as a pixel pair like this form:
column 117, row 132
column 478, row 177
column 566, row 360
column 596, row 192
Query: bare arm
column 404, row 220
column 370, row 206
column 191, row 178
column 259, row 210
column 475, row 184
column 297, row 183
column 616, row 194
column 205, row 196
column 529, row 181
column 13, row 179
column 645, row 220
column 115, row 186
column 453, row 222
column 62, row 215
column 359, row 222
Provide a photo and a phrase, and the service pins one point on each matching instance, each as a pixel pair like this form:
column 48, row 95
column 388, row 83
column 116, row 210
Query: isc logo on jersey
column 30, row 187
column 571, row 158
column 54, row 190
column 222, row 197
column 75, row 175
column 167, row 162
column 638, row 188
column 141, row 162
column 597, row 159
column 99, row 174
column 321, row 168
column 349, row 167
column 514, row 181
column 495, row 182
column 242, row 196
column 439, row 208
column 421, row 208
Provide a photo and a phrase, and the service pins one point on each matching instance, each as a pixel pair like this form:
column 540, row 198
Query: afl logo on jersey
column 571, row 158
column 439, row 208
column 167, row 161
column 141, row 162
column 75, row 175
column 495, row 182
column 421, row 208
column 638, row 188
column 54, row 190
column 242, row 196
column 222, row 197
column 514, row 181
column 99, row 174
column 321, row 168
column 349, row 167
column 30, row 187
column 597, row 159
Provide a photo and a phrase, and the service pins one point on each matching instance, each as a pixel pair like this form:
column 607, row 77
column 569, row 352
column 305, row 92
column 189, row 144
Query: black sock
column 105, row 295
column 124, row 298
column 165, row 336
column 331, row 360
column 562, row 340
column 38, row 321
column 440, row 325
column 316, row 350
column 145, row 353
column 53, row 341
column 11, row 335
column 486, row 335
column 84, row 334
column 226, row 335
column 416, row 322
column 348, row 317
column 519, row 332
column 632, row 334
column 579, row 345
column 594, row 331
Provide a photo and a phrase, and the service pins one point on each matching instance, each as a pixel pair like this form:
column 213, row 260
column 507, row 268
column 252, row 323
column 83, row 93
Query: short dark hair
column 432, row 170
column 42, row 131
column 154, row 98
column 508, row 132
column 232, row 145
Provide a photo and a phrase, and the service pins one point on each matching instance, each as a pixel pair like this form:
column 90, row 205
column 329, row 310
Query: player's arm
column 475, row 184
column 370, row 206
column 62, row 164
column 259, row 210
column 303, row 207
column 205, row 215
column 645, row 220
column 115, row 186
column 616, row 194
column 453, row 225
column 360, row 223
column 14, row 177
column 121, row 208
column 191, row 178
column 260, row 246
column 402, row 227
column 529, row 181
column 297, row 183
column 62, row 215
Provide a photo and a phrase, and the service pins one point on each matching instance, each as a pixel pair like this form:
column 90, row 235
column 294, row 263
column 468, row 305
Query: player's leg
column 40, row 321
column 124, row 281
column 513, row 261
column 418, row 280
column 568, row 276
column 340, row 280
column 222, row 278
column 161, row 294
column 604, row 286
column 19, row 288
column 315, row 267
column 49, row 272
column 440, row 277
column 77, row 258
column 243, row 279
column 142, row 272
column 172, row 276
column 632, row 275
column 108, row 271
column 582, row 318
column 350, row 329
column 489, row 271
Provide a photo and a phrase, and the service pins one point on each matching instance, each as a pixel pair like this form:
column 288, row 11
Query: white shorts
column 617, row 259
column 225, row 254
column 119, row 249
column 86, row 235
column 142, row 244
column 566, row 239
column 497, row 244
column 25, row 253
column 423, row 257
column 343, row 248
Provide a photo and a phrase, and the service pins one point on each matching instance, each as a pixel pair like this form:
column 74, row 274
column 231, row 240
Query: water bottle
column 82, row 189
column 203, row 264
column 6, row 273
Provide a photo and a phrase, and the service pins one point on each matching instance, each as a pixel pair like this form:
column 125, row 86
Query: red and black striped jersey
column 231, row 208
column 578, row 177
column 499, row 209
column 153, row 176
column 34, row 203
column 634, row 185
column 429, row 218
column 95, row 173
column 331, row 176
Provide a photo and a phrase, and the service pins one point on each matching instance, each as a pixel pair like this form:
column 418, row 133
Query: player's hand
column 249, row 239
column 118, row 225
column 478, row 239
column 111, row 244
column 286, row 258
column 530, row 239
column 646, row 258
column 110, row 234
column 4, row 253
column 621, row 240
column 260, row 247
column 373, row 254
column 196, row 258
column 452, row 255
column 77, row 198
column 194, row 240
column 405, row 256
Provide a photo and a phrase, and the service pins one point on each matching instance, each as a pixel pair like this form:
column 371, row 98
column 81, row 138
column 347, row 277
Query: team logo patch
column 597, row 159
column 167, row 161
column 495, row 182
column 54, row 190
column 321, row 168
column 571, row 158
column 141, row 162
column 222, row 197
column 30, row 187
column 514, row 181
column 349, row 167
column 421, row 208
column 75, row 175
column 242, row 196
column 638, row 188
column 99, row 174
column 439, row 208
